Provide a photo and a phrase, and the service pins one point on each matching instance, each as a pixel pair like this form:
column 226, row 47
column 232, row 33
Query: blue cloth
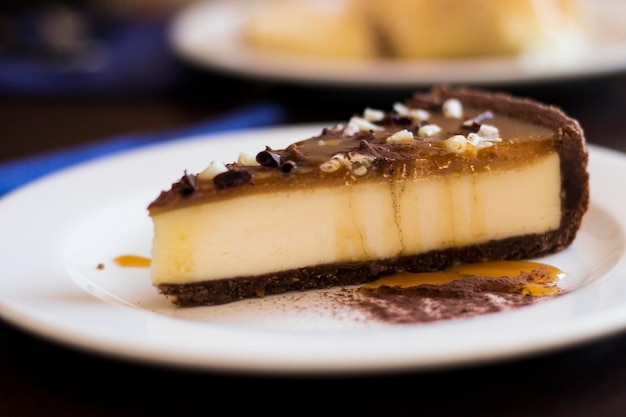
column 18, row 172
column 127, row 58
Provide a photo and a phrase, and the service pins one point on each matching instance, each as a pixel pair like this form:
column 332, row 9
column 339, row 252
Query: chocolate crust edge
column 569, row 141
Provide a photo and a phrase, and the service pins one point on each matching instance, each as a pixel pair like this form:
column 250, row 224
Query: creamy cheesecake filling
column 368, row 220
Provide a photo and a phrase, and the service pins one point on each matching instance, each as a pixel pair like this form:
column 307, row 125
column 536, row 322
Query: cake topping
column 189, row 183
column 373, row 115
column 247, row 159
column 416, row 114
column 401, row 136
column 358, row 124
column 423, row 134
column 452, row 108
column 268, row 158
column 488, row 132
column 232, row 178
column 214, row 168
column 287, row 166
column 427, row 131
column 478, row 120
column 456, row 144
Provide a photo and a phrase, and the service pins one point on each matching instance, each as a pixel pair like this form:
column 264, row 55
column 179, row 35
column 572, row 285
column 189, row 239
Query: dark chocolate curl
column 232, row 178
column 394, row 118
column 477, row 121
column 189, row 184
column 268, row 158
column 287, row 166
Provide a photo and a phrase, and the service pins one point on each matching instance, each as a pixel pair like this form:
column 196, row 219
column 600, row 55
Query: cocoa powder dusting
column 464, row 298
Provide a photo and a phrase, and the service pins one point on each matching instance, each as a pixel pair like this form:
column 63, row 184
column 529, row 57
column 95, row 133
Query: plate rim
column 126, row 346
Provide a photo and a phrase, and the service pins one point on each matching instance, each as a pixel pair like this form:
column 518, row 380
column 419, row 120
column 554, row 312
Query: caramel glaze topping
column 397, row 145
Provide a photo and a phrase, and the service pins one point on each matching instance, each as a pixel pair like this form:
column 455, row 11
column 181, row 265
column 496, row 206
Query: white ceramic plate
column 207, row 33
column 55, row 231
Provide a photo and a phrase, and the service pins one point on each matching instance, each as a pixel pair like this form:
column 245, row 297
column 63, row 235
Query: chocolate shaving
column 232, row 178
column 366, row 146
column 394, row 118
column 189, row 184
column 475, row 123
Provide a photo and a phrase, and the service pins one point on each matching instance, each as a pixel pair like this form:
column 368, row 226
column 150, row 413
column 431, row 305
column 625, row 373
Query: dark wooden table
column 40, row 378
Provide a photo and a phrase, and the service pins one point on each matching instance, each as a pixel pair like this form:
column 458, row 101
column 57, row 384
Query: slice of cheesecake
column 413, row 29
column 447, row 176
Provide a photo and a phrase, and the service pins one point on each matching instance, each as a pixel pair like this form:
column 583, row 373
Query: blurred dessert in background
column 334, row 29
column 413, row 29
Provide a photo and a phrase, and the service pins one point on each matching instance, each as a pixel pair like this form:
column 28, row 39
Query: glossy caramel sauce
column 133, row 261
column 527, row 278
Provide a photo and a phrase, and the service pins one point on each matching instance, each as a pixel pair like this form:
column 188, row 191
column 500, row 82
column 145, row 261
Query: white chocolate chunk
column 358, row 124
column 362, row 159
column 488, row 132
column 419, row 114
column 400, row 136
column 401, row 109
column 474, row 139
column 214, row 168
column 247, row 159
column 452, row 108
column 428, row 130
column 360, row 170
column 331, row 165
column 335, row 162
column 456, row 144
column 415, row 114
column 373, row 115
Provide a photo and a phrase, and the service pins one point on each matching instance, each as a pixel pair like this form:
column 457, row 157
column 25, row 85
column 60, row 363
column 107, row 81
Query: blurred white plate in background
column 207, row 34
